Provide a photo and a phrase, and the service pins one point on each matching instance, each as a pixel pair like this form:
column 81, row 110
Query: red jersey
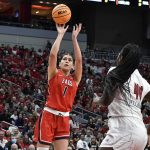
column 61, row 92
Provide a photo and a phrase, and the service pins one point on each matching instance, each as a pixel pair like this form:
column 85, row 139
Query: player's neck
column 66, row 73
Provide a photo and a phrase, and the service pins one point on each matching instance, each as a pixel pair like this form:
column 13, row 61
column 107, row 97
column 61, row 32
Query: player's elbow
column 52, row 55
column 78, row 60
column 106, row 102
column 107, row 98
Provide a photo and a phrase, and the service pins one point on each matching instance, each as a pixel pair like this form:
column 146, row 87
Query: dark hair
column 62, row 54
column 66, row 53
column 116, row 78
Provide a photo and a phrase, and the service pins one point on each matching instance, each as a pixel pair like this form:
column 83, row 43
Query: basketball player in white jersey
column 123, row 93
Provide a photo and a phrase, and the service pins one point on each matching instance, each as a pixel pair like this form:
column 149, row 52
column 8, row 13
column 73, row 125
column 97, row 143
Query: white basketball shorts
column 125, row 133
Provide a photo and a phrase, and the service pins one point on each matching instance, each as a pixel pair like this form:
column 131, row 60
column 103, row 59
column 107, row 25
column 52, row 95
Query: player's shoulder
column 138, row 77
column 111, row 68
column 58, row 72
column 136, row 73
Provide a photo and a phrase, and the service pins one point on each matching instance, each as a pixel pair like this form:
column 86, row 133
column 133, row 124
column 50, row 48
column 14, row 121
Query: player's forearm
column 100, row 101
column 77, row 51
column 105, row 99
column 148, row 130
column 56, row 45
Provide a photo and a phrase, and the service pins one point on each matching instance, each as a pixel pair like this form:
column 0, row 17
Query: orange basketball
column 61, row 14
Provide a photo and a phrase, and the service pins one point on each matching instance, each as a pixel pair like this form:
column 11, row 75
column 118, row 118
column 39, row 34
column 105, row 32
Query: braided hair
column 130, row 58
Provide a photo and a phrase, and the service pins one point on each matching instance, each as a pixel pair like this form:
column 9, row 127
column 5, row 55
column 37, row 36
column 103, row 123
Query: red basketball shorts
column 50, row 127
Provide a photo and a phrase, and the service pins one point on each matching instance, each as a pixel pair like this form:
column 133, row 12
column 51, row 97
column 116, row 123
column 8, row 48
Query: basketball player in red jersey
column 53, row 123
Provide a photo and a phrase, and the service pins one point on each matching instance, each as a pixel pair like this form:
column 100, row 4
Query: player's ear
column 59, row 64
column 72, row 67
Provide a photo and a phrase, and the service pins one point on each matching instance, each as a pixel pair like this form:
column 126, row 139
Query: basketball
column 61, row 14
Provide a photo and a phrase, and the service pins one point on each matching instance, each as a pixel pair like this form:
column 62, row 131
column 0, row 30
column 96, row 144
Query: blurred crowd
column 23, row 89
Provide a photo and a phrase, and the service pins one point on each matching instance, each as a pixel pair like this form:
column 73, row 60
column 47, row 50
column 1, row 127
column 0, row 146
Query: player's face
column 66, row 63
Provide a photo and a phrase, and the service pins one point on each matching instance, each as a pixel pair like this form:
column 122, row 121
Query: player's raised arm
column 77, row 53
column 52, row 70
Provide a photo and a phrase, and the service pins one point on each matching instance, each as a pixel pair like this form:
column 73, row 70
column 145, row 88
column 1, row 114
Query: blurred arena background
column 27, row 32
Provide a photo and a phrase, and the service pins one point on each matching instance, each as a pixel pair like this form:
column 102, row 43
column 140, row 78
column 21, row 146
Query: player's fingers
column 73, row 28
column 66, row 27
column 80, row 26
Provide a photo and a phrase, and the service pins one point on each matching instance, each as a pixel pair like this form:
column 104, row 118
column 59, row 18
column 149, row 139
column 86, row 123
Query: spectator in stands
column 90, row 123
column 12, row 141
column 78, row 104
column 19, row 121
column 26, row 141
column 93, row 144
column 28, row 89
column 82, row 144
column 20, row 141
column 100, row 137
column 31, row 147
column 88, row 136
column 63, row 97
column 3, row 141
column 71, row 144
column 74, row 124
column 8, row 135
column 14, row 130
column 98, row 124
column 14, row 116
column 14, row 147
column 89, row 85
column 69, row 148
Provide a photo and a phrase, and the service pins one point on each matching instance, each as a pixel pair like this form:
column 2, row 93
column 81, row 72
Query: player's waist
column 125, row 122
column 125, row 116
column 56, row 112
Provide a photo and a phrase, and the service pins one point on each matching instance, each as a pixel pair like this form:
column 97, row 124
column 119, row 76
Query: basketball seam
column 62, row 16
column 58, row 6
column 59, row 9
column 66, row 20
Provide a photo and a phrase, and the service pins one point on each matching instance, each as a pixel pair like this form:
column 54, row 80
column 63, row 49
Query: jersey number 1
column 138, row 91
column 65, row 90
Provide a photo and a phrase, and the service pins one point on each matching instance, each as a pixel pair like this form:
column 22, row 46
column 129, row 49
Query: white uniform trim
column 40, row 132
column 62, row 135
column 56, row 112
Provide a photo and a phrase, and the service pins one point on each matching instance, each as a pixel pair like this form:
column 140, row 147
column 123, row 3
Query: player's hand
column 61, row 29
column 76, row 30
column 96, row 98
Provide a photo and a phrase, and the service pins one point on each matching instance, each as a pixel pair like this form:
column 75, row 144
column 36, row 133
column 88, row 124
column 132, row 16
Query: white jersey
column 130, row 104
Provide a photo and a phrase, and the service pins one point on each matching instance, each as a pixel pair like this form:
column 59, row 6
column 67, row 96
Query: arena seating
column 23, row 84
